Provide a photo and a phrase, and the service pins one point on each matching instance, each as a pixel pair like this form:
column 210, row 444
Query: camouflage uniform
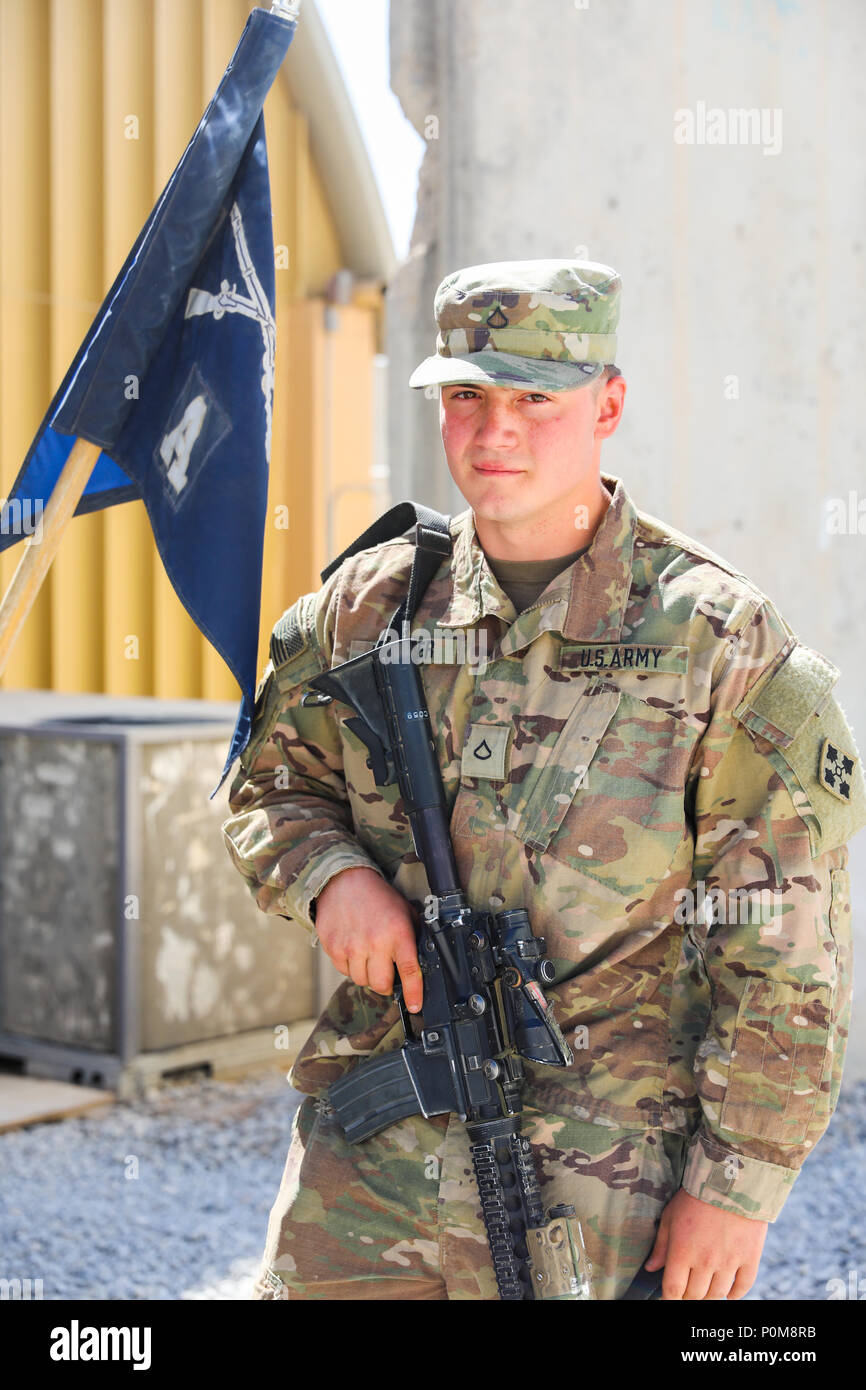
column 649, row 729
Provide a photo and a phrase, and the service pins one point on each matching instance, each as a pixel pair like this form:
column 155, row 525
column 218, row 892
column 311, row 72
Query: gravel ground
column 209, row 1157
column 192, row 1224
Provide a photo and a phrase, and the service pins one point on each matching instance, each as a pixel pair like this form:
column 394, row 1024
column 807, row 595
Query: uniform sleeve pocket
column 776, row 1083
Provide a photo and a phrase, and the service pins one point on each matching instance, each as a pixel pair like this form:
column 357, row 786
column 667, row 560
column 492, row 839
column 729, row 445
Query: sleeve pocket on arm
column 778, row 1083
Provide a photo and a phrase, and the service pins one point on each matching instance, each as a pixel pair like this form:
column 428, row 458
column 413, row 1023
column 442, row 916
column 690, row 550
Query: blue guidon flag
column 175, row 377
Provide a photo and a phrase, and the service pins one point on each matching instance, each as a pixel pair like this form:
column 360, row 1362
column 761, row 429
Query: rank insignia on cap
column 837, row 768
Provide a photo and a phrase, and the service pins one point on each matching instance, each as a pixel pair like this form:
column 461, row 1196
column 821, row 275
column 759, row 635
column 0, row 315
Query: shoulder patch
column 293, row 649
column 813, row 747
column 837, row 769
column 289, row 637
column 783, row 702
column 294, row 658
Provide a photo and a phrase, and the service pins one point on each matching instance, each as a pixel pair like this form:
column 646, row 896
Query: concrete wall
column 551, row 131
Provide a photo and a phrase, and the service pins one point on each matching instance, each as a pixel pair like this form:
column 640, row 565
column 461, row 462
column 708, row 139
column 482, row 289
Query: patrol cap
column 542, row 323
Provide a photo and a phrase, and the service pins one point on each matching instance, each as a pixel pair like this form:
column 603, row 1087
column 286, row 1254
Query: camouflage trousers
column 398, row 1216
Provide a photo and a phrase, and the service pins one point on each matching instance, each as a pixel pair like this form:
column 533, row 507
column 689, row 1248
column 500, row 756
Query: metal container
column 130, row 947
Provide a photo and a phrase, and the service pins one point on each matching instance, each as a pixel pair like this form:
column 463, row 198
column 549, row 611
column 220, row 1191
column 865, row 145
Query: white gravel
column 209, row 1156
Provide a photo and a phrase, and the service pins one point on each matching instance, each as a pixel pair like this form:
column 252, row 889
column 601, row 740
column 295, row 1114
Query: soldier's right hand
column 366, row 927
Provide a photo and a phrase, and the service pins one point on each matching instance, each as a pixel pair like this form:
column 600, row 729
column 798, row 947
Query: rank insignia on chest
column 485, row 752
column 836, row 769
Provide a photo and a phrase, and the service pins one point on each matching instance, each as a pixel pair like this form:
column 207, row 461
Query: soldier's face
column 519, row 454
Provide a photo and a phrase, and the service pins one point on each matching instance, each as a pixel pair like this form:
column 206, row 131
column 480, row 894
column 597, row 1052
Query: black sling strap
column 432, row 545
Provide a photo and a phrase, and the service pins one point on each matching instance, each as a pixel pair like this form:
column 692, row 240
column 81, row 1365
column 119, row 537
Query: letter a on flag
column 190, row 322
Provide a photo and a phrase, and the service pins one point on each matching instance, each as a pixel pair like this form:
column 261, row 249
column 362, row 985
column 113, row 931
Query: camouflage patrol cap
column 544, row 323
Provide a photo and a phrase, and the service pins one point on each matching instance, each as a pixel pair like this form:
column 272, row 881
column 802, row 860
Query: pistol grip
column 377, row 761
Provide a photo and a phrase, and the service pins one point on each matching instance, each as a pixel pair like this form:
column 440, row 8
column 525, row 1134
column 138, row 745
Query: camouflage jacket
column 647, row 735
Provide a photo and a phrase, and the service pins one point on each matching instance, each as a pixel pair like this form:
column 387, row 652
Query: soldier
column 646, row 758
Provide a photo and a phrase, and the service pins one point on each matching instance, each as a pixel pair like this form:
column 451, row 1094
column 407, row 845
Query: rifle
column 484, row 1007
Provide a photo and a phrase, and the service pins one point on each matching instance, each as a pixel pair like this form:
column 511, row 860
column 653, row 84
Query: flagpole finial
column 286, row 9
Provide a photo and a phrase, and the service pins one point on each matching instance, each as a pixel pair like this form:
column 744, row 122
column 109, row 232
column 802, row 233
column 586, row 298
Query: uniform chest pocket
column 548, row 769
column 609, row 800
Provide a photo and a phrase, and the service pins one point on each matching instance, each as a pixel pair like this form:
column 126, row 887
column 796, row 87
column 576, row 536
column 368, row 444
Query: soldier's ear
column 611, row 402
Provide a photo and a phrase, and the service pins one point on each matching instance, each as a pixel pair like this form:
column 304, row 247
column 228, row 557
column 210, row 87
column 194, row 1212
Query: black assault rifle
column 484, row 1009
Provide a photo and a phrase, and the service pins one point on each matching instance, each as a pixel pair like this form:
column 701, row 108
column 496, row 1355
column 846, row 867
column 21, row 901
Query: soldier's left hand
column 707, row 1253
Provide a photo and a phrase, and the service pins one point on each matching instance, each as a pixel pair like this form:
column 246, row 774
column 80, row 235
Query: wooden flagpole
column 38, row 553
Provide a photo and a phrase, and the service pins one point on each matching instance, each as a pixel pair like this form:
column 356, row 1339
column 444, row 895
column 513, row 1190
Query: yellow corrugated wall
column 98, row 99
